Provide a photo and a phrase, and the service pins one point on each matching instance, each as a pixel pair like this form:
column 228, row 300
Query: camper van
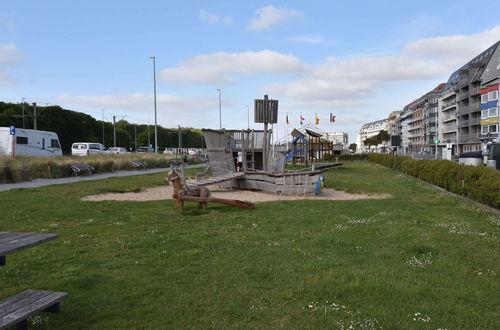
column 28, row 142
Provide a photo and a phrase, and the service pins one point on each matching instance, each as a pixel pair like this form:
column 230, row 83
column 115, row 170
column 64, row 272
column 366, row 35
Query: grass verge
column 419, row 260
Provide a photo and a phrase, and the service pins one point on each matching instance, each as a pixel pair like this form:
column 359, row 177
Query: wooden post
column 264, row 148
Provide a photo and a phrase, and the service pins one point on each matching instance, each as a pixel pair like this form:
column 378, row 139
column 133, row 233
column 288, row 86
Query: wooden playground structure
column 245, row 159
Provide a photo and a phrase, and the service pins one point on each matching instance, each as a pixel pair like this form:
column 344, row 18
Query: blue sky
column 359, row 60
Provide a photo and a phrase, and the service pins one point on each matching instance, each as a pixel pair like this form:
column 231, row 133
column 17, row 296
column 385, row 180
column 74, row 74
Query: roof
column 373, row 123
column 480, row 62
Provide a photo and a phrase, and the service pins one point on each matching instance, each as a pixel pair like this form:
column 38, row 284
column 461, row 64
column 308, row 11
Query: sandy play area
column 165, row 192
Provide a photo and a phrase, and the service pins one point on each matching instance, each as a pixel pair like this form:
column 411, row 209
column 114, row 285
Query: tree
column 353, row 147
column 383, row 136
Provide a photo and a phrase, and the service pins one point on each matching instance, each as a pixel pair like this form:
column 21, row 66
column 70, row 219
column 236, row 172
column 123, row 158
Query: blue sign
column 13, row 130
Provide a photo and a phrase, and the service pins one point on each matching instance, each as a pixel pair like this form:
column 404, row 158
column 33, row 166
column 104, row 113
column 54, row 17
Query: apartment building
column 448, row 121
column 338, row 138
column 418, row 123
column 490, row 114
column 368, row 130
column 392, row 123
column 462, row 114
column 462, row 98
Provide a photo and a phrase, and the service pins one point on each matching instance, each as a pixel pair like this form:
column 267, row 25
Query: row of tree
column 375, row 140
column 72, row 126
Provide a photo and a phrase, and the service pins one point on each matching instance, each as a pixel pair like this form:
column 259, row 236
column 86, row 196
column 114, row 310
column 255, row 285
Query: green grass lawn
column 419, row 260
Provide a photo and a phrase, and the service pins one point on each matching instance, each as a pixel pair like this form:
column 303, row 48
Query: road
column 47, row 182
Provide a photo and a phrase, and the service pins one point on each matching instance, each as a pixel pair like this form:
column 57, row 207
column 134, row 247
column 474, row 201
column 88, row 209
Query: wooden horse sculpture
column 198, row 194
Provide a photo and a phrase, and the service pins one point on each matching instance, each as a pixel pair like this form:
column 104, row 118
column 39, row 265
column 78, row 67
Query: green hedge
column 344, row 157
column 479, row 183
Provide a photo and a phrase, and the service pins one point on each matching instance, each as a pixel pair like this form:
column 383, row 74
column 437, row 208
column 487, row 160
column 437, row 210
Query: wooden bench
column 13, row 241
column 81, row 168
column 17, row 309
column 138, row 164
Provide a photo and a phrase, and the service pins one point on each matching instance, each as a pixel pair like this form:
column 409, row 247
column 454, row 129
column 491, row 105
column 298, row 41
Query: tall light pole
column 248, row 117
column 103, row 128
column 23, row 112
column 220, row 110
column 154, row 84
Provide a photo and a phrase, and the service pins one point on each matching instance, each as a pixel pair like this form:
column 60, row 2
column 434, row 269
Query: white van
column 87, row 148
column 29, row 142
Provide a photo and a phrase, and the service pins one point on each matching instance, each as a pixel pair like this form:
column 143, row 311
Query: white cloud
column 169, row 107
column 453, row 51
column 359, row 77
column 9, row 54
column 313, row 39
column 211, row 18
column 219, row 67
column 267, row 17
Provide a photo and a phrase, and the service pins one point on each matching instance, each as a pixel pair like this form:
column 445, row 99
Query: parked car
column 117, row 150
column 87, row 148
column 145, row 149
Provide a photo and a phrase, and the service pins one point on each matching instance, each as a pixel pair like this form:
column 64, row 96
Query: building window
column 493, row 95
column 489, row 129
column 484, row 114
column 493, row 112
column 21, row 140
column 484, row 98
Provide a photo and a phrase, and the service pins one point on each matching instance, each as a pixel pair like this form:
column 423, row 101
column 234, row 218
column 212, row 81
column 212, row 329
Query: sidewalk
column 47, row 182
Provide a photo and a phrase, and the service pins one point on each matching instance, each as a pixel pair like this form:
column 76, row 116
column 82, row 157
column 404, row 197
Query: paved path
column 47, row 182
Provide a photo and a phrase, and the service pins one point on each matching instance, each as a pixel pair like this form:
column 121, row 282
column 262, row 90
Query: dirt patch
column 165, row 192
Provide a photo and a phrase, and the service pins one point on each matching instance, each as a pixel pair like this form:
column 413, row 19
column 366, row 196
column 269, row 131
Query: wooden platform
column 216, row 179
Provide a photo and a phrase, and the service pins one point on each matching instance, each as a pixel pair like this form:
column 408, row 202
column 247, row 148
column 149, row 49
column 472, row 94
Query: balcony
column 451, row 138
column 450, row 128
column 474, row 121
column 448, row 117
column 464, row 95
column 475, row 90
column 474, row 107
column 463, row 110
column 468, row 138
column 449, row 105
column 463, row 138
column 463, row 122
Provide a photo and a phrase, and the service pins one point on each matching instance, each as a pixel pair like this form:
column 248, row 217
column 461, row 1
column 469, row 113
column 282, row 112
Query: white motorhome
column 29, row 142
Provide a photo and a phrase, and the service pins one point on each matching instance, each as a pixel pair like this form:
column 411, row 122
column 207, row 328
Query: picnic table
column 13, row 241
column 17, row 309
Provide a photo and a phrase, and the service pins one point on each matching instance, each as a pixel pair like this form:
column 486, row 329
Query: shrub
column 479, row 183
column 345, row 157
column 57, row 167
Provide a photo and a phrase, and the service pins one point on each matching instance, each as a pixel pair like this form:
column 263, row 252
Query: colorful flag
column 316, row 119
column 332, row 118
column 287, row 122
column 302, row 119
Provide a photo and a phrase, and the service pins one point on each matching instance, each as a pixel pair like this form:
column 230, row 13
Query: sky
column 358, row 60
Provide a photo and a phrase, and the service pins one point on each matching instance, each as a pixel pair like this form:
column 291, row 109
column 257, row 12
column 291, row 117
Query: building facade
column 368, row 130
column 338, row 138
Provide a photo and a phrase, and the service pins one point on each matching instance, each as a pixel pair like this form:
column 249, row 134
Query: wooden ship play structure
column 245, row 159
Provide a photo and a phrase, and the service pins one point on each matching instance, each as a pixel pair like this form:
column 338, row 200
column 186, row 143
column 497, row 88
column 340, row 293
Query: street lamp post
column 220, row 110
column 23, row 112
column 248, row 117
column 103, row 128
column 154, row 84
